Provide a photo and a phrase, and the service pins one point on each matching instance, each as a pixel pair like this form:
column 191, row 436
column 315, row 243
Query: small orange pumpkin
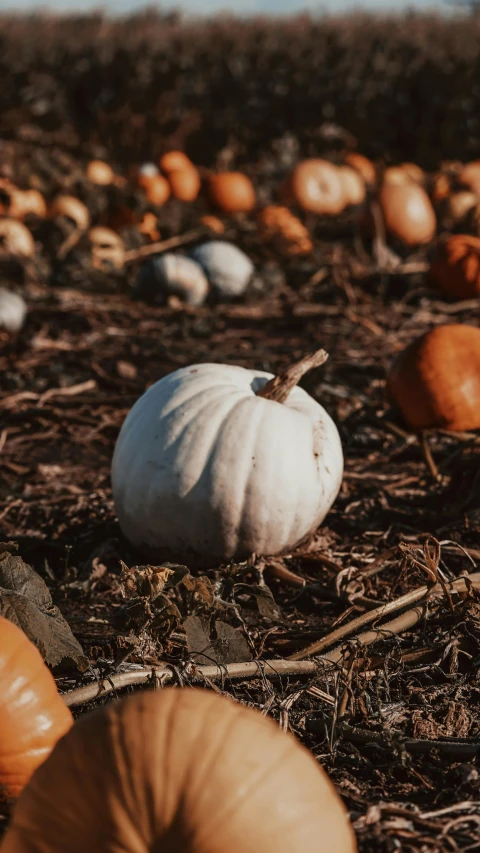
column 174, row 160
column 315, row 186
column 232, row 192
column 16, row 239
column 184, row 183
column 183, row 770
column 455, row 267
column 408, row 213
column 354, row 188
column 100, row 173
column 156, row 188
column 436, row 380
column 414, row 172
column 459, row 204
column 396, row 176
column 213, row 223
column 149, row 226
column 32, row 715
column 363, row 165
column 71, row 208
column 280, row 226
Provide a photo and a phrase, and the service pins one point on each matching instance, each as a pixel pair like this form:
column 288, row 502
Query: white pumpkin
column 172, row 275
column 227, row 268
column 13, row 310
column 205, row 469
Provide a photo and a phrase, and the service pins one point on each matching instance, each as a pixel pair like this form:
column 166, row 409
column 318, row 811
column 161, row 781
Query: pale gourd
column 228, row 269
column 13, row 310
column 216, row 462
column 172, row 275
column 179, row 770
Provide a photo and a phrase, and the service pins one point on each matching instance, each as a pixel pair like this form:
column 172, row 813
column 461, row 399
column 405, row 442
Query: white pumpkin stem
column 279, row 387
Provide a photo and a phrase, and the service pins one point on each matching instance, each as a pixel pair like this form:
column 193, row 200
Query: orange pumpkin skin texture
column 185, row 183
column 33, row 717
column 232, row 192
column 316, row 187
column 179, row 770
column 174, row 160
column 436, row 380
column 408, row 213
column 363, row 165
column 100, row 173
column 455, row 268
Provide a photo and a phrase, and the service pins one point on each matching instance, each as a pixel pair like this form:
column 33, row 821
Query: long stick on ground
column 406, row 600
column 269, row 669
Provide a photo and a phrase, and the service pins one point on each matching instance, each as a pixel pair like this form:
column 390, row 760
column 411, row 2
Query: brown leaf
column 26, row 601
column 229, row 646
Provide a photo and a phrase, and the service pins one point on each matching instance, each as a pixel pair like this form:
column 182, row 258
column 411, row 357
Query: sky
column 211, row 6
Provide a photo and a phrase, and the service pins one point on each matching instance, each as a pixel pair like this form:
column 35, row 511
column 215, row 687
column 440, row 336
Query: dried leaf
column 26, row 601
column 229, row 646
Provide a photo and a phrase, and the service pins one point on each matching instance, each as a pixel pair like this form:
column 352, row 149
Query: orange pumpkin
column 184, row 770
column 436, row 380
column 32, row 203
column 414, row 172
column 100, row 173
column 354, row 189
column 459, row 204
column 469, row 176
column 174, row 160
column 214, row 223
column 280, row 226
column 184, row 183
column 441, row 187
column 316, row 187
column 16, row 239
column 71, row 208
column 396, row 176
column 232, row 192
column 157, row 189
column 363, row 165
column 408, row 213
column 32, row 715
column 455, row 267
column 149, row 226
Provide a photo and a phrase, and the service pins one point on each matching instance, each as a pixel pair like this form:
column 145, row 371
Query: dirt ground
column 396, row 722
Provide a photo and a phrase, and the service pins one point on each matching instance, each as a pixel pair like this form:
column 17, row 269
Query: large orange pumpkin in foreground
column 436, row 380
column 455, row 267
column 316, row 187
column 232, row 192
column 179, row 770
column 32, row 715
column 408, row 213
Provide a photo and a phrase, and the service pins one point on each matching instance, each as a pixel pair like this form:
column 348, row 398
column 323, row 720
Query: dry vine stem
column 278, row 388
column 157, row 248
column 416, row 595
column 272, row 668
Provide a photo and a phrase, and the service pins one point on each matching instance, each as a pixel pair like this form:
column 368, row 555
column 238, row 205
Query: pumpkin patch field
column 239, row 434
